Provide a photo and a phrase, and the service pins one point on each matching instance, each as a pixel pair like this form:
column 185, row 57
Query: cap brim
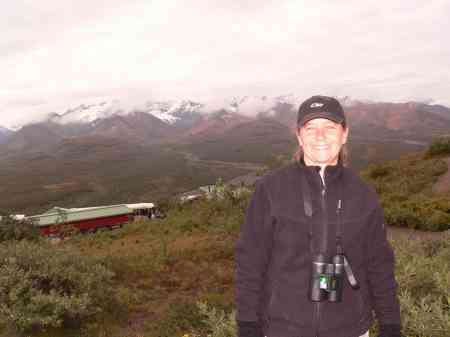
column 321, row 114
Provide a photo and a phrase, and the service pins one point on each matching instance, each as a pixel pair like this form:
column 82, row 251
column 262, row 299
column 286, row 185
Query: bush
column 215, row 322
column 11, row 229
column 405, row 189
column 218, row 323
column 377, row 171
column 422, row 272
column 439, row 147
column 423, row 269
column 182, row 316
column 432, row 214
column 42, row 286
column 224, row 212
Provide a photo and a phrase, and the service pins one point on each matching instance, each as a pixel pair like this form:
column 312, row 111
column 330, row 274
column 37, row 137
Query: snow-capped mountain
column 186, row 120
column 138, row 126
column 174, row 112
column 170, row 112
column 84, row 113
column 150, row 122
column 180, row 113
column 255, row 105
column 216, row 123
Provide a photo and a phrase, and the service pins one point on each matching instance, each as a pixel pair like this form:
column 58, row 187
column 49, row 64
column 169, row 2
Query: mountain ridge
column 138, row 157
column 187, row 121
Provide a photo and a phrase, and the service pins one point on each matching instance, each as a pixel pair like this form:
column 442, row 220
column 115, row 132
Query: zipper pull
column 339, row 206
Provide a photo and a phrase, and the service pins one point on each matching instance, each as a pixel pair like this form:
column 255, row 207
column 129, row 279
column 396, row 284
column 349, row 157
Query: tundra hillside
column 174, row 277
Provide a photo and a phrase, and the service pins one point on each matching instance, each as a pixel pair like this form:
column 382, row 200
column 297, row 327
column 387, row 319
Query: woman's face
column 321, row 140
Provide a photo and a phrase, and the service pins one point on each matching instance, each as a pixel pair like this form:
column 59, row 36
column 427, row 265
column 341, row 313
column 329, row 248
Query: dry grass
column 158, row 268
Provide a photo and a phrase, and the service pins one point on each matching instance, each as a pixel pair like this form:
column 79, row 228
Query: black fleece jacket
column 273, row 257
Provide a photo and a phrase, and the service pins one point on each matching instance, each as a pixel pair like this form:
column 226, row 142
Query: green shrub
column 218, row 323
column 439, row 147
column 405, row 189
column 430, row 213
column 423, row 274
column 42, row 286
column 224, row 212
column 182, row 317
column 377, row 171
column 11, row 229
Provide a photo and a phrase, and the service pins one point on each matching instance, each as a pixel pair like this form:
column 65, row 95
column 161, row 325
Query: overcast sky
column 55, row 54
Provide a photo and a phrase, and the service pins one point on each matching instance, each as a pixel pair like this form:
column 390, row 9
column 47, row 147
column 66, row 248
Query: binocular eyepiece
column 326, row 282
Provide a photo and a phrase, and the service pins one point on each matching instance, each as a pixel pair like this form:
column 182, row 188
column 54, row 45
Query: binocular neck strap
column 339, row 244
column 307, row 205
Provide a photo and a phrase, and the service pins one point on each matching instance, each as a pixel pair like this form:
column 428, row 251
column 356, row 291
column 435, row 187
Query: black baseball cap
column 320, row 107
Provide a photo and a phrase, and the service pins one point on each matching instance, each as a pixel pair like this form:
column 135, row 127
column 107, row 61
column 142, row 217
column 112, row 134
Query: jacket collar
column 331, row 172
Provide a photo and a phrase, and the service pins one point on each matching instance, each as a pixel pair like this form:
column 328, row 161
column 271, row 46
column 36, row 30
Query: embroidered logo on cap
column 316, row 105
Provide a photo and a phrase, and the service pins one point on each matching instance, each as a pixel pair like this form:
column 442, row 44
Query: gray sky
column 55, row 54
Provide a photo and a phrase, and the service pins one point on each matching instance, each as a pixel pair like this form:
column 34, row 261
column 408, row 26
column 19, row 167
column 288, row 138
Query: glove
column 390, row 330
column 249, row 329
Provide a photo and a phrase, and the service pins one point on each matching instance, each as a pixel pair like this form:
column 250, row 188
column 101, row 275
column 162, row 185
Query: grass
column 405, row 187
column 102, row 176
column 107, row 172
column 162, row 270
column 164, row 267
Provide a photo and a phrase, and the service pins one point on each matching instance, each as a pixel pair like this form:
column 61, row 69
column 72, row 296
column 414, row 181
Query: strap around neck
column 307, row 205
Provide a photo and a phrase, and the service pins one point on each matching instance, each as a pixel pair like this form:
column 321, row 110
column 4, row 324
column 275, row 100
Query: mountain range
column 104, row 152
column 186, row 119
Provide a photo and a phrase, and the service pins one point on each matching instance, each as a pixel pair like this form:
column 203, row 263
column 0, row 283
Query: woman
column 313, row 259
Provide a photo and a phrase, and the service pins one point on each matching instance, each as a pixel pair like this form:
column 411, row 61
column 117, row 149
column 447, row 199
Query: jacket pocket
column 291, row 237
column 289, row 305
column 348, row 313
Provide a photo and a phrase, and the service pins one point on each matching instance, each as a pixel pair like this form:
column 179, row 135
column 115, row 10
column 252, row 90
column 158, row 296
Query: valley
column 102, row 154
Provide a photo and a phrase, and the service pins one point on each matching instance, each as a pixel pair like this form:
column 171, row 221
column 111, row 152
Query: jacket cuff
column 249, row 329
column 390, row 330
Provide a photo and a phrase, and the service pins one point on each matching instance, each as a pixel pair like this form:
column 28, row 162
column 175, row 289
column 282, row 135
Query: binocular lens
column 326, row 280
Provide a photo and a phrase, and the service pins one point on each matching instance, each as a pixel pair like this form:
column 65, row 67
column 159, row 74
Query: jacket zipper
column 316, row 319
column 325, row 239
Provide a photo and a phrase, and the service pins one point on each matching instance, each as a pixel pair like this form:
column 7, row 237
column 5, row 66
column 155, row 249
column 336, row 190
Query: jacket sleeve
column 253, row 251
column 381, row 272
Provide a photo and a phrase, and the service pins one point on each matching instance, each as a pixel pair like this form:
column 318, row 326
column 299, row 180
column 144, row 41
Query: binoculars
column 327, row 279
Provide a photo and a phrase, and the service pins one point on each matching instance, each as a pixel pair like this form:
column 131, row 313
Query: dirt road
column 190, row 157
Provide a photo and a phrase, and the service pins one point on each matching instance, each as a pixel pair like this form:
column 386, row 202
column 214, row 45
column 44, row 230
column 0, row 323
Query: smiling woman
column 321, row 140
column 300, row 237
column 321, row 132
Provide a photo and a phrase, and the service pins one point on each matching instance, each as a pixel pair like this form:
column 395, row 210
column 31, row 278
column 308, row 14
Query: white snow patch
column 164, row 116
